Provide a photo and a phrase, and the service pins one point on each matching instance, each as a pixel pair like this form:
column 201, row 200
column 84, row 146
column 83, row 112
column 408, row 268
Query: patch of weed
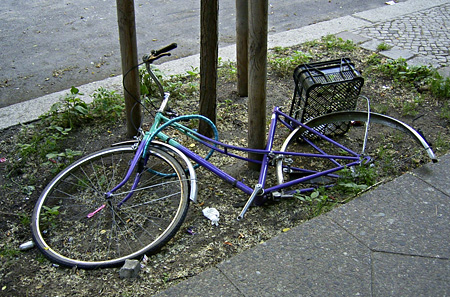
column 283, row 63
column 227, row 70
column 383, row 47
column 9, row 252
column 39, row 144
column 440, row 86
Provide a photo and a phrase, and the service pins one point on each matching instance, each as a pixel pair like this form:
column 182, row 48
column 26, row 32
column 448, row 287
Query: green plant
column 364, row 174
column 227, row 105
column 380, row 108
column 69, row 112
column 28, row 190
column 227, row 70
column 49, row 216
column 39, row 143
column 399, row 70
column 41, row 258
column 440, row 86
column 419, row 75
column 445, row 111
column 61, row 159
column 106, row 105
column 9, row 252
column 318, row 202
column 24, row 219
column 333, row 42
column 180, row 86
column 374, row 59
column 442, row 143
column 283, row 63
column 351, row 181
column 383, row 47
column 410, row 107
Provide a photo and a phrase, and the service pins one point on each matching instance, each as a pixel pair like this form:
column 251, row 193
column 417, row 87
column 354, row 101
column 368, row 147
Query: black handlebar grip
column 165, row 49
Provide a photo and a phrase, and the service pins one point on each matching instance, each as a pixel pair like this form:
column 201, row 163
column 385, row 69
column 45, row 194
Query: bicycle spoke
column 85, row 228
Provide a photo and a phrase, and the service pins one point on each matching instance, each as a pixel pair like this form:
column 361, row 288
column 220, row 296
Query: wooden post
column 128, row 50
column 258, row 10
column 209, row 47
column 242, row 46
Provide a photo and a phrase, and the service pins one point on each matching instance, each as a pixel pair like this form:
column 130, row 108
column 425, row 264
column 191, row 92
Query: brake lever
column 151, row 58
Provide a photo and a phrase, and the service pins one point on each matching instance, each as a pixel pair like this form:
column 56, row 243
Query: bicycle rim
column 74, row 224
column 389, row 148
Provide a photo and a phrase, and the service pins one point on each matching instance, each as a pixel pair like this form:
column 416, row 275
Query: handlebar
column 156, row 54
column 165, row 49
column 149, row 59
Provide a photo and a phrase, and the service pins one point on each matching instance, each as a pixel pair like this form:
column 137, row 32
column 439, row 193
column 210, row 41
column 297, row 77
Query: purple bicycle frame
column 267, row 153
column 277, row 115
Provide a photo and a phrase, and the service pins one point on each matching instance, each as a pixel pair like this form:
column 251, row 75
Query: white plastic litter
column 212, row 214
column 145, row 260
column 26, row 246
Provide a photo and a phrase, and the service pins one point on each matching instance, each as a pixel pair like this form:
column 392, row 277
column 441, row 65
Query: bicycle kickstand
column 258, row 190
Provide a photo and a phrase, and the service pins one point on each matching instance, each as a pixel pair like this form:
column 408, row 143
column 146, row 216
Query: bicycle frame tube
column 277, row 117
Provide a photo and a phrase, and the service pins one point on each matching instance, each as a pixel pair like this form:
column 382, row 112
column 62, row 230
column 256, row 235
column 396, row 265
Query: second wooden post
column 257, row 83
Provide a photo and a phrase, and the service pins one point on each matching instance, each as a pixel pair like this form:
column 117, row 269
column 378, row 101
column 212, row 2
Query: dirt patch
column 198, row 245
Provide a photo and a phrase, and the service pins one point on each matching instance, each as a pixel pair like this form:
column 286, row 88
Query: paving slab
column 423, row 61
column 209, row 283
column 445, row 71
column 318, row 258
column 396, row 53
column 401, row 275
column 436, row 174
column 356, row 38
column 372, row 44
column 406, row 216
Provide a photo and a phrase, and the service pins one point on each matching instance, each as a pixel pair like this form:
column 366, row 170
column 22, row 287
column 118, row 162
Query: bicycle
column 128, row 200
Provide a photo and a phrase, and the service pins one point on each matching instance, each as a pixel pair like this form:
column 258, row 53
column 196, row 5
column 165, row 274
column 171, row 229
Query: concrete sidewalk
column 392, row 241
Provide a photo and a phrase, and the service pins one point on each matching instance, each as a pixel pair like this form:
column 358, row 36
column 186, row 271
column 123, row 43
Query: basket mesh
column 325, row 87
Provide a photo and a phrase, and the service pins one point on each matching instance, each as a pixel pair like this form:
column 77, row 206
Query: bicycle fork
column 137, row 161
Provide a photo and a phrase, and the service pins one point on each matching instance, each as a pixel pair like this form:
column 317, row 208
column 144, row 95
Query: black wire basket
column 325, row 87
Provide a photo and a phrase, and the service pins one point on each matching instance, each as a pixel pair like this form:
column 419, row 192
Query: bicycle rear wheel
column 390, row 147
column 74, row 224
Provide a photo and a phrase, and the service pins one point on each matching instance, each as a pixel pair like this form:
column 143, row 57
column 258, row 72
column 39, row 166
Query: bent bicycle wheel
column 75, row 224
column 386, row 145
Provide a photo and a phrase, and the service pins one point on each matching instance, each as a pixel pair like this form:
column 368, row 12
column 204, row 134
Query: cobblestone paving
column 426, row 33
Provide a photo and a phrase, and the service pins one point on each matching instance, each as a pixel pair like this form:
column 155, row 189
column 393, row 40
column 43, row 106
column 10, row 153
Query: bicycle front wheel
column 389, row 146
column 75, row 224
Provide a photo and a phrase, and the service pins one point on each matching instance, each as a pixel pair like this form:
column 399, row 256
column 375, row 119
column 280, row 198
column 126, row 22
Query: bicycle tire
column 64, row 232
column 386, row 148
